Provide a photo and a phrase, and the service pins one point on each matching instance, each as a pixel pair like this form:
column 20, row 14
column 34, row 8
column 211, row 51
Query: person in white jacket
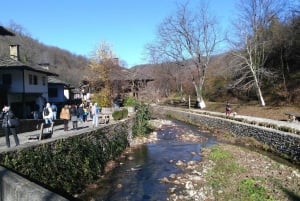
column 48, row 114
column 95, row 113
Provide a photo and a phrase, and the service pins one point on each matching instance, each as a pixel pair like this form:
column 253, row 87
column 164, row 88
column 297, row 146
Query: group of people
column 68, row 113
column 80, row 114
column 74, row 114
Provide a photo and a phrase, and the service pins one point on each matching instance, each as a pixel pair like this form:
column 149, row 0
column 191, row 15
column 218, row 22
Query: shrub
column 120, row 114
column 141, row 127
column 130, row 101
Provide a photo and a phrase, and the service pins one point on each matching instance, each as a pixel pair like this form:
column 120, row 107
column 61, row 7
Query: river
column 139, row 176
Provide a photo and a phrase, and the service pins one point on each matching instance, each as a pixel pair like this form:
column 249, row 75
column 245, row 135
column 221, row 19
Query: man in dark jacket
column 6, row 115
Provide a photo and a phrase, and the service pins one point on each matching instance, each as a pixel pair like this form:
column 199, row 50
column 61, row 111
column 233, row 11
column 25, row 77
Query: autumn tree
column 101, row 62
column 187, row 36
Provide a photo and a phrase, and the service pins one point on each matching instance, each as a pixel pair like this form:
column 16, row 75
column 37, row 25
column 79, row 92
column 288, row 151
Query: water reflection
column 139, row 179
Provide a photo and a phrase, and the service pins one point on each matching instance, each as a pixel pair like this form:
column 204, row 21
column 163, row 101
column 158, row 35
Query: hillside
column 217, row 85
column 169, row 79
column 70, row 67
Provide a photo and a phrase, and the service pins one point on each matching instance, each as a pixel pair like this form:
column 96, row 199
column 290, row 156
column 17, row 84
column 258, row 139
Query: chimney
column 116, row 61
column 44, row 65
column 14, row 52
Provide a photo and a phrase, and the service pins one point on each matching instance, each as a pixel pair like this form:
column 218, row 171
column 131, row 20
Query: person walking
column 80, row 113
column 48, row 115
column 85, row 114
column 54, row 111
column 227, row 109
column 65, row 116
column 95, row 113
column 74, row 116
column 7, row 115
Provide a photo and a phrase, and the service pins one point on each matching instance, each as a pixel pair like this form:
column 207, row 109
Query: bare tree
column 187, row 36
column 252, row 44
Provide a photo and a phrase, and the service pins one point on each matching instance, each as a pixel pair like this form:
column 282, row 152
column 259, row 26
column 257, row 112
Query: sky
column 79, row 25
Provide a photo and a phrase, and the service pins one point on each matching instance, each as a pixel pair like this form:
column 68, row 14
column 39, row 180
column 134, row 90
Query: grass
column 250, row 189
column 225, row 166
column 227, row 184
column 237, row 174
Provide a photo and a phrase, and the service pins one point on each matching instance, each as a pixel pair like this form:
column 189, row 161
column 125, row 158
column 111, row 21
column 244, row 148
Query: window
column 6, row 79
column 33, row 79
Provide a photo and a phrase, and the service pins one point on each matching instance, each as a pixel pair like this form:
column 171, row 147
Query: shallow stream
column 139, row 178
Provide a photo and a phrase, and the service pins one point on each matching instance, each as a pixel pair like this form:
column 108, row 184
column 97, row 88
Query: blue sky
column 79, row 25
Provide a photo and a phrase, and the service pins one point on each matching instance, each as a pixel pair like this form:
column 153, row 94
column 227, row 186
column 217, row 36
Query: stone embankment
column 195, row 180
column 284, row 143
column 112, row 138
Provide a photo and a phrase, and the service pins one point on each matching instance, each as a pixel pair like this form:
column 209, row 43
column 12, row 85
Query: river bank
column 236, row 169
column 232, row 169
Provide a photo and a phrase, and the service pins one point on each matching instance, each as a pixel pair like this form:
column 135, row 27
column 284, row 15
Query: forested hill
column 283, row 88
column 220, row 82
column 263, row 63
column 70, row 67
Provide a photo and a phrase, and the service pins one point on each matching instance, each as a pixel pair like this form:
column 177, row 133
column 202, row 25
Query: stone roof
column 125, row 74
column 55, row 80
column 5, row 32
column 9, row 64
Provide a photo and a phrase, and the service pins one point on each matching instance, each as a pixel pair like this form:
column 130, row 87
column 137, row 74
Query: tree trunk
column 200, row 101
column 261, row 98
column 259, row 93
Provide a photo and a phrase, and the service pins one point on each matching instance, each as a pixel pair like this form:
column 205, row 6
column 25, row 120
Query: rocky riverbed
column 254, row 174
column 232, row 170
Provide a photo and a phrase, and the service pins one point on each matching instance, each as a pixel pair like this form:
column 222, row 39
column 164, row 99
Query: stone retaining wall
column 16, row 188
column 281, row 142
column 13, row 187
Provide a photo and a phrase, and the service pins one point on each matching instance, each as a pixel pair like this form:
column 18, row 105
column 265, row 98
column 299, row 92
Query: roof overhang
column 5, row 32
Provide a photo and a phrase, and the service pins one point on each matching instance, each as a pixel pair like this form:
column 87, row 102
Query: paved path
column 295, row 125
column 58, row 131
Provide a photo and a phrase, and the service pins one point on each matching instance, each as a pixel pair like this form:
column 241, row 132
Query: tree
column 101, row 62
column 253, row 43
column 187, row 36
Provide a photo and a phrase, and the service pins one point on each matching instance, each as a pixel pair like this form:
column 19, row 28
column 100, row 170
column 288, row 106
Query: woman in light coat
column 65, row 115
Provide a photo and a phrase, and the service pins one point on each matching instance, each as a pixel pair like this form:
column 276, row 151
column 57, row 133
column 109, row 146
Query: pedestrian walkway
column 293, row 125
column 58, row 131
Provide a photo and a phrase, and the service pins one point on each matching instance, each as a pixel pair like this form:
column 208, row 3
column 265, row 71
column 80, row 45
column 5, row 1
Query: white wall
column 17, row 81
column 39, row 88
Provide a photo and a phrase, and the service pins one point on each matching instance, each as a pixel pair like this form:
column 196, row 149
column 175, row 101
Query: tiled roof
column 8, row 63
column 55, row 80
column 125, row 74
column 5, row 32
